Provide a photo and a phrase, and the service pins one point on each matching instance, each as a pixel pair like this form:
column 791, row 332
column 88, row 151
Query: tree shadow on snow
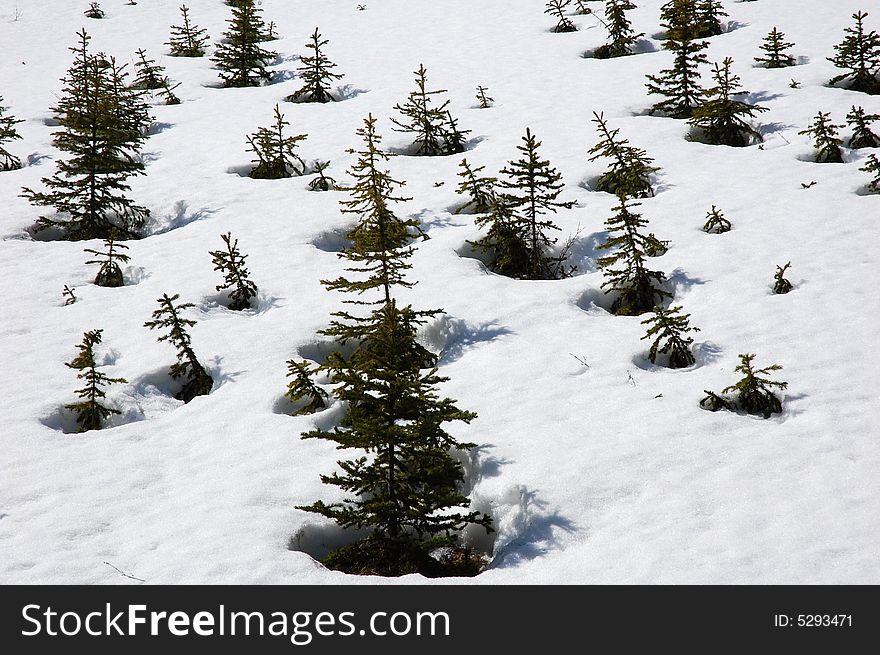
column 452, row 337
column 179, row 217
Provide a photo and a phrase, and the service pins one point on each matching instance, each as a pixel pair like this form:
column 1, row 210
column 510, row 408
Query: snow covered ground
column 597, row 466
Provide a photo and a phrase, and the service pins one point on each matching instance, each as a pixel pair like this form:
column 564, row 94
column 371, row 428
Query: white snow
column 598, row 467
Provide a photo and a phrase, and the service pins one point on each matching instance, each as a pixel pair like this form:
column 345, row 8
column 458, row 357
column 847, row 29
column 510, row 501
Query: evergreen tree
column 872, row 166
column 581, row 8
column 109, row 272
column 630, row 171
column 862, row 136
column 668, row 329
column 167, row 92
column 680, row 20
column 754, row 393
column 435, row 131
column 621, row 35
column 103, row 125
column 504, row 242
column 655, row 247
column 480, row 190
column 94, row 11
column 316, row 71
column 240, row 58
column 825, row 139
column 197, row 381
column 715, row 222
column 775, row 46
column 68, row 295
column 557, row 8
column 90, row 412
column 276, row 155
column 719, row 116
column 859, row 55
column 780, row 284
column 404, row 489
column 301, row 389
column 680, row 84
column 230, row 262
column 8, row 161
column 484, row 100
column 149, row 75
column 709, row 13
column 322, row 182
column 625, row 268
column 187, row 40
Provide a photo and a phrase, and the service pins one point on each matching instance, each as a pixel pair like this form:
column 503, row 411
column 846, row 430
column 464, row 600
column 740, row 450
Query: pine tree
column 187, row 40
column 780, row 284
column 322, row 182
column 484, row 100
column 68, row 295
column 103, row 125
column 316, row 71
column 581, row 8
column 197, row 381
column 109, row 272
column 709, row 13
column 872, row 166
column 8, row 161
column 90, row 412
column 404, row 489
column 719, row 116
column 621, row 35
column 276, row 155
column 630, row 171
column 504, row 243
column 715, row 222
column 680, row 84
column 240, row 58
column 167, row 92
column 775, row 46
column 302, row 391
column 94, row 11
column 825, row 139
column 862, row 136
column 625, row 268
column 667, row 327
column 230, row 262
column 479, row 189
column 436, row 133
column 859, row 55
column 754, row 393
column 532, row 187
column 149, row 75
column 557, row 8
column 680, row 19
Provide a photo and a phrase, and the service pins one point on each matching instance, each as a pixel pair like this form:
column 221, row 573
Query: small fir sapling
column 455, row 139
column 480, row 190
column 484, row 101
column 94, row 11
column 317, row 74
column 872, row 166
column 239, row 57
column 557, row 9
column 680, row 84
column 715, row 222
column 68, row 295
column 863, row 136
column 625, row 269
column 231, row 263
column 859, row 55
column 720, row 118
column 680, row 19
column 8, row 161
column 167, row 92
column 90, row 412
column 197, row 381
column 504, row 244
column 187, row 40
column 148, row 74
column 301, row 390
column 630, row 171
column 322, row 182
column 109, row 271
column 430, row 124
column 270, row 32
column 621, row 35
column 754, row 392
column 669, row 328
column 709, row 14
column 276, row 155
column 774, row 46
column 825, row 139
column 581, row 8
column 780, row 284
column 655, row 247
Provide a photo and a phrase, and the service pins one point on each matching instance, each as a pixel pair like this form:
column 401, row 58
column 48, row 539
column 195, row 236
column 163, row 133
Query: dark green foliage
column 479, row 190
column 484, row 100
column 680, row 84
column 8, row 161
column 625, row 269
column 316, row 72
column 859, row 55
column 630, row 171
column 668, row 329
column 302, row 391
column 709, row 14
column 94, row 11
column 580, row 7
column 235, row 275
column 655, row 247
column 719, row 117
column 621, row 36
column 507, row 249
column 780, row 284
column 436, row 133
column 90, row 412
column 754, row 393
column 109, row 272
column 240, row 58
column 68, row 295
column 825, row 139
column 187, row 40
column 197, row 382
column 775, row 46
column 149, row 75
column 692, row 19
column 322, row 182
column 167, row 92
column 276, row 156
column 872, row 166
column 103, row 126
column 715, row 222
column 557, row 8
column 862, row 136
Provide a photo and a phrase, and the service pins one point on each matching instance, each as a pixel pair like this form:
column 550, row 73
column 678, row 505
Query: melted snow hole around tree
column 335, row 240
column 581, row 253
column 704, row 352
